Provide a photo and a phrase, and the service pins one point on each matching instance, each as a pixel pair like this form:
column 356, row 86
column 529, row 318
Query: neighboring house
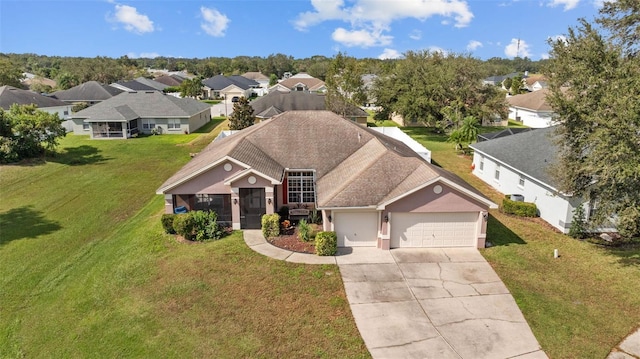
column 10, row 95
column 368, row 81
column 535, row 83
column 228, row 87
column 532, row 109
column 398, row 134
column 277, row 102
column 300, row 82
column 132, row 85
column 170, row 80
column 497, row 80
column 130, row 113
column 30, row 80
column 90, row 92
column 519, row 164
column 159, row 86
column 261, row 79
column 371, row 189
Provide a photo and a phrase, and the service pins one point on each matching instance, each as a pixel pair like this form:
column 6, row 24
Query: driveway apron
column 433, row 303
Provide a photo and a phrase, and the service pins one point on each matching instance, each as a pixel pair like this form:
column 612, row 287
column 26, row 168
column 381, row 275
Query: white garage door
column 433, row 229
column 356, row 229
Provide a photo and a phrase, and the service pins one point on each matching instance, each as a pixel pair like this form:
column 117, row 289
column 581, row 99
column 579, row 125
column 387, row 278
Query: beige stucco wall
column 211, row 182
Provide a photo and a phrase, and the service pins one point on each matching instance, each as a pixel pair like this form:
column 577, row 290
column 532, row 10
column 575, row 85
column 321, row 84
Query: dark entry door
column 252, row 207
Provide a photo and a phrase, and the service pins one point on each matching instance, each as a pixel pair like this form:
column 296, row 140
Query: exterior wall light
column 386, row 218
column 235, row 201
column 329, row 218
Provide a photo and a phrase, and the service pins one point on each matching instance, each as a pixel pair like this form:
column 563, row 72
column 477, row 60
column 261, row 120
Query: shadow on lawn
column 629, row 257
column 500, row 235
column 24, row 222
column 81, row 155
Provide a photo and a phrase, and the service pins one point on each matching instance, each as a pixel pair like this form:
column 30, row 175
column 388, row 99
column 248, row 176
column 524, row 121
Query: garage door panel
column 356, row 229
column 433, row 229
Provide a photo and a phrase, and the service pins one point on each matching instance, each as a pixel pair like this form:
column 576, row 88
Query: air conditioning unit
column 517, row 197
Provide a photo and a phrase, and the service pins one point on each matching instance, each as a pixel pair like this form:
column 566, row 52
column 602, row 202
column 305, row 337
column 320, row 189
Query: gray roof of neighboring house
column 142, row 104
column 507, row 132
column 90, row 91
column 355, row 166
column 530, row 153
column 276, row 102
column 134, row 85
column 535, row 101
column 170, row 80
column 151, row 83
column 10, row 95
column 220, row 82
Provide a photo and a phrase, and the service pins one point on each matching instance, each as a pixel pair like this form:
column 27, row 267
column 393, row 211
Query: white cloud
column 215, row 23
column 473, row 45
column 132, row 20
column 434, row 49
column 568, row 4
column 518, row 47
column 390, row 54
column 544, row 56
column 361, row 38
column 376, row 17
column 415, row 35
column 558, row 38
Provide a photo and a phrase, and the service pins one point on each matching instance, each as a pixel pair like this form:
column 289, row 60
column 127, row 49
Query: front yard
column 86, row 271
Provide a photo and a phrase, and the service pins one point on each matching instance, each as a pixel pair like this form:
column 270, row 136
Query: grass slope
column 85, row 270
column 580, row 305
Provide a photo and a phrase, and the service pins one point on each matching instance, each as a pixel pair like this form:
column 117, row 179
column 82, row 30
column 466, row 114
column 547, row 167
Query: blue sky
column 299, row 28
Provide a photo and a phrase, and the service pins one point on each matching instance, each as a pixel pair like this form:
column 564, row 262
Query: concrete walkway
column 629, row 348
column 425, row 303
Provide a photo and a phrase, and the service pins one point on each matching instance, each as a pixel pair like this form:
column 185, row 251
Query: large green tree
column 345, row 87
column 595, row 87
column 27, row 132
column 191, row 87
column 10, row 74
column 242, row 116
column 424, row 83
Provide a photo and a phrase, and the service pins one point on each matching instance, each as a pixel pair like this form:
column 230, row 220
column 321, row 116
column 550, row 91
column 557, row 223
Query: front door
column 252, row 207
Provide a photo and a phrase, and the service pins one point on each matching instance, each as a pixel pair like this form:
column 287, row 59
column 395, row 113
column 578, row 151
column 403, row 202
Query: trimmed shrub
column 315, row 217
column 326, row 243
column 270, row 225
column 206, row 226
column 304, row 230
column 167, row 223
column 521, row 209
column 184, row 225
column 578, row 227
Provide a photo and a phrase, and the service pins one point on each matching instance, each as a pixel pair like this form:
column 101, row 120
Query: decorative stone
column 252, row 180
column 228, row 167
column 437, row 189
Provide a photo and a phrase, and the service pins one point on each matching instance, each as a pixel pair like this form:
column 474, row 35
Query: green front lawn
column 85, row 270
column 580, row 305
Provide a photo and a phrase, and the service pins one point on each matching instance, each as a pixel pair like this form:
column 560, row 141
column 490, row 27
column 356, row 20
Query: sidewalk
column 628, row 349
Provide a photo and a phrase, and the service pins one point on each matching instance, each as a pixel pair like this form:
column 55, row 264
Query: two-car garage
column 408, row 229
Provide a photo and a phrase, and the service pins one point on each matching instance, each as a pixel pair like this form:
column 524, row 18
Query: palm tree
column 466, row 134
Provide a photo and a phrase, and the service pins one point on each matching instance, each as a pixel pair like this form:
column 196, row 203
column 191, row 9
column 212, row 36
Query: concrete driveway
column 433, row 303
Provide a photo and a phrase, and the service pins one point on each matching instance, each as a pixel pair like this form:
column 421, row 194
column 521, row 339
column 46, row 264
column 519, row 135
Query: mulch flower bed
column 288, row 239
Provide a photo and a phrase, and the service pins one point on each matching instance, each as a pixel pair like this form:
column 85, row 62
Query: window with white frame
column 593, row 207
column 300, row 187
column 481, row 166
column 173, row 124
column 496, row 174
column 148, row 124
column 86, row 126
column 521, row 181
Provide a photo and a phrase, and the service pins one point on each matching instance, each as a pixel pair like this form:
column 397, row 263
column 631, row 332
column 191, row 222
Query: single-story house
column 503, row 133
column 262, row 80
column 228, row 87
column 277, row 102
column 300, row 82
column 130, row 113
column 519, row 165
column 170, row 80
column 30, row 80
column 133, row 85
column 90, row 92
column 371, row 189
column 532, row 109
column 10, row 95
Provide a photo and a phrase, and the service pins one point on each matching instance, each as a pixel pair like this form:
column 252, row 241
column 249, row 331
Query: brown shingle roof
column 355, row 166
column 533, row 101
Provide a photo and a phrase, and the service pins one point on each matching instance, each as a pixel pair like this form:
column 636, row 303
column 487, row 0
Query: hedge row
column 518, row 208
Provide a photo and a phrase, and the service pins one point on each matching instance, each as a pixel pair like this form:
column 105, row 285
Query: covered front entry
column 434, row 229
column 252, row 207
column 356, row 229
